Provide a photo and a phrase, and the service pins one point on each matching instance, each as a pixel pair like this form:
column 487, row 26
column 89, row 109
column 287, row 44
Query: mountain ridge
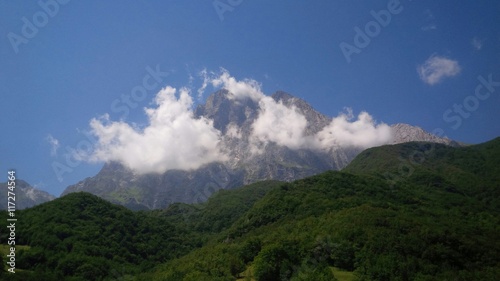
column 26, row 195
column 234, row 118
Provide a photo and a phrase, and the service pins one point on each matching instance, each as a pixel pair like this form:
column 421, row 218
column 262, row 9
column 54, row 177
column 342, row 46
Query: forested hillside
column 386, row 217
column 85, row 237
column 415, row 211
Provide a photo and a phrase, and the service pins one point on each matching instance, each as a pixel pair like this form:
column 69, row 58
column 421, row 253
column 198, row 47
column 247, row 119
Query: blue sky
column 64, row 63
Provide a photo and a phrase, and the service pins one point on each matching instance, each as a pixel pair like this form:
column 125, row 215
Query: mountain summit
column 258, row 146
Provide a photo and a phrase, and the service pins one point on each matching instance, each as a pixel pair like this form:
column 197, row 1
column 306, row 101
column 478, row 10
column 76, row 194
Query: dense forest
column 413, row 211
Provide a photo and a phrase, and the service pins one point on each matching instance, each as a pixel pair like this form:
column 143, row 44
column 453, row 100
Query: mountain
column 26, row 195
column 407, row 133
column 438, row 222
column 121, row 185
column 234, row 118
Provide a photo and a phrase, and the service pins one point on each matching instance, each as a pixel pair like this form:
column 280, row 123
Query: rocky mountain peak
column 407, row 133
column 234, row 118
column 224, row 110
column 316, row 121
column 26, row 195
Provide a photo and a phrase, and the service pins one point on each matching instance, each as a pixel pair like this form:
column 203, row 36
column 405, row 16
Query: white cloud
column 363, row 132
column 54, row 145
column 286, row 125
column 173, row 139
column 477, row 44
column 247, row 88
column 204, row 75
column 436, row 68
column 233, row 131
column 275, row 123
column 280, row 124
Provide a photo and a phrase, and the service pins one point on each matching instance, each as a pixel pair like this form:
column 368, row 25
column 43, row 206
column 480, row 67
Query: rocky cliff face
column 234, row 119
column 26, row 196
column 121, row 185
column 406, row 133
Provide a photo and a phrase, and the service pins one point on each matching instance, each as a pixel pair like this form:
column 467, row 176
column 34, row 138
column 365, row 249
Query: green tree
column 277, row 261
column 314, row 272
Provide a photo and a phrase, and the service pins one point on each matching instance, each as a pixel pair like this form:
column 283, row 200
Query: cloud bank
column 246, row 89
column 363, row 132
column 280, row 124
column 275, row 122
column 436, row 68
column 174, row 139
column 286, row 125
